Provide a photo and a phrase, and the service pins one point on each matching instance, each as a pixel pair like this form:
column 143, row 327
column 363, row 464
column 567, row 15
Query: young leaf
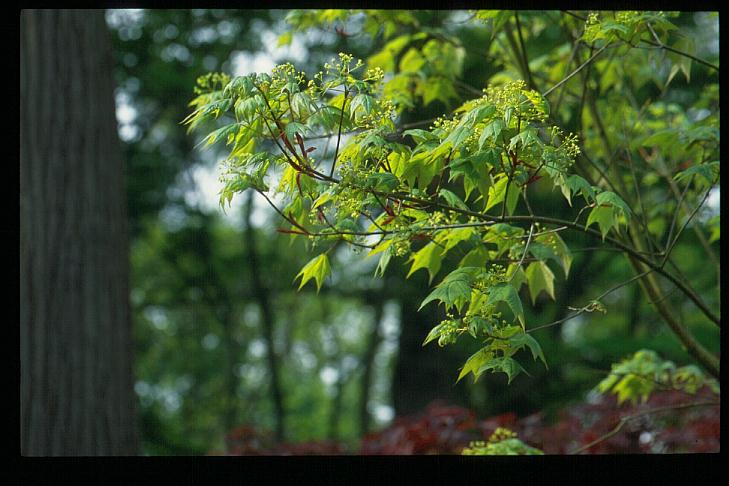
column 382, row 264
column 563, row 252
column 436, row 332
column 604, row 217
column 709, row 172
column 612, row 199
column 575, row 184
column 543, row 252
column 491, row 132
column 451, row 238
column 361, row 106
column 475, row 258
column 506, row 292
column 318, row 269
column 505, row 365
column 382, row 181
column 453, row 199
column 428, row 257
column 452, row 291
column 474, row 363
column 419, row 135
column 540, row 277
column 523, row 339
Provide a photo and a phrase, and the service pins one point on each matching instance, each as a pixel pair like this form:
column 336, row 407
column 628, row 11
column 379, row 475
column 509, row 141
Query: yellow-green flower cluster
column 211, row 82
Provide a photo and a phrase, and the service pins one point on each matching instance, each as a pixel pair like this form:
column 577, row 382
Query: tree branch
column 628, row 418
column 580, row 68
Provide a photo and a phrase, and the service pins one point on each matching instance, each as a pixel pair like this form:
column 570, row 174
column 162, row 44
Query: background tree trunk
column 267, row 316
column 422, row 373
column 75, row 329
column 368, row 360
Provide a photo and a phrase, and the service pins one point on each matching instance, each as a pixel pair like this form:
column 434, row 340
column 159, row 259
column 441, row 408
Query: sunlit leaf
column 318, row 269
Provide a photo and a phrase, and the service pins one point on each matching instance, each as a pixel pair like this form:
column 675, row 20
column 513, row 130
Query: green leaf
column 323, row 198
column 523, row 339
column 385, row 249
column 481, row 112
column 663, row 138
column 525, row 138
column 420, row 136
column 508, row 112
column 506, row 292
column 475, row 258
column 539, row 277
column 382, row 181
column 491, row 132
column 604, row 217
column 505, row 365
column 563, row 252
column 382, row 263
column 612, row 199
column 515, row 273
column 680, row 62
column 478, row 323
column 575, row 184
column 292, row 128
column 474, row 363
column 475, row 171
column 455, row 289
column 457, row 137
column 385, row 58
column 428, row 257
column 318, row 269
column 412, row 61
column 436, row 332
column 714, row 225
column 438, row 88
column 220, row 134
column 497, row 193
column 452, row 199
column 451, row 238
column 543, row 252
column 361, row 106
column 709, row 172
column 285, row 38
column 539, row 101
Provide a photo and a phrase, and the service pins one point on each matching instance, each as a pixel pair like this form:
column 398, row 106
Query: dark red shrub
column 444, row 429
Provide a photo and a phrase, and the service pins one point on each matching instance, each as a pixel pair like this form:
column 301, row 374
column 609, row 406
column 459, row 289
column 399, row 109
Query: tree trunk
column 335, row 413
column 75, row 329
column 368, row 360
column 264, row 302
column 423, row 373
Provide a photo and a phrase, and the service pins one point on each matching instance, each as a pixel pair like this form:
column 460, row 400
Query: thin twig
column 525, row 59
column 678, row 235
column 339, row 133
column 679, row 205
column 526, row 249
column 582, row 66
column 586, row 308
column 626, row 419
column 660, row 44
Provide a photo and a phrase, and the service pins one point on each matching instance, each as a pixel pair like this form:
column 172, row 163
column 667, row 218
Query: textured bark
column 75, row 330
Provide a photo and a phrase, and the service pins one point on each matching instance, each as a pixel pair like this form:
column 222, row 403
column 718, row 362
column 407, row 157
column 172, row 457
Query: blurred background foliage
column 212, row 292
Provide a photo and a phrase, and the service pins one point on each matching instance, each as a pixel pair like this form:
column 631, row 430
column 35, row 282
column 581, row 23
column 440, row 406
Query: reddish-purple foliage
column 671, row 431
column 444, row 429
column 249, row 441
column 439, row 430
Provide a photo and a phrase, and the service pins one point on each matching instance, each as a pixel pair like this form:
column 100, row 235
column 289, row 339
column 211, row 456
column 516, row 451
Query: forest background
column 229, row 357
